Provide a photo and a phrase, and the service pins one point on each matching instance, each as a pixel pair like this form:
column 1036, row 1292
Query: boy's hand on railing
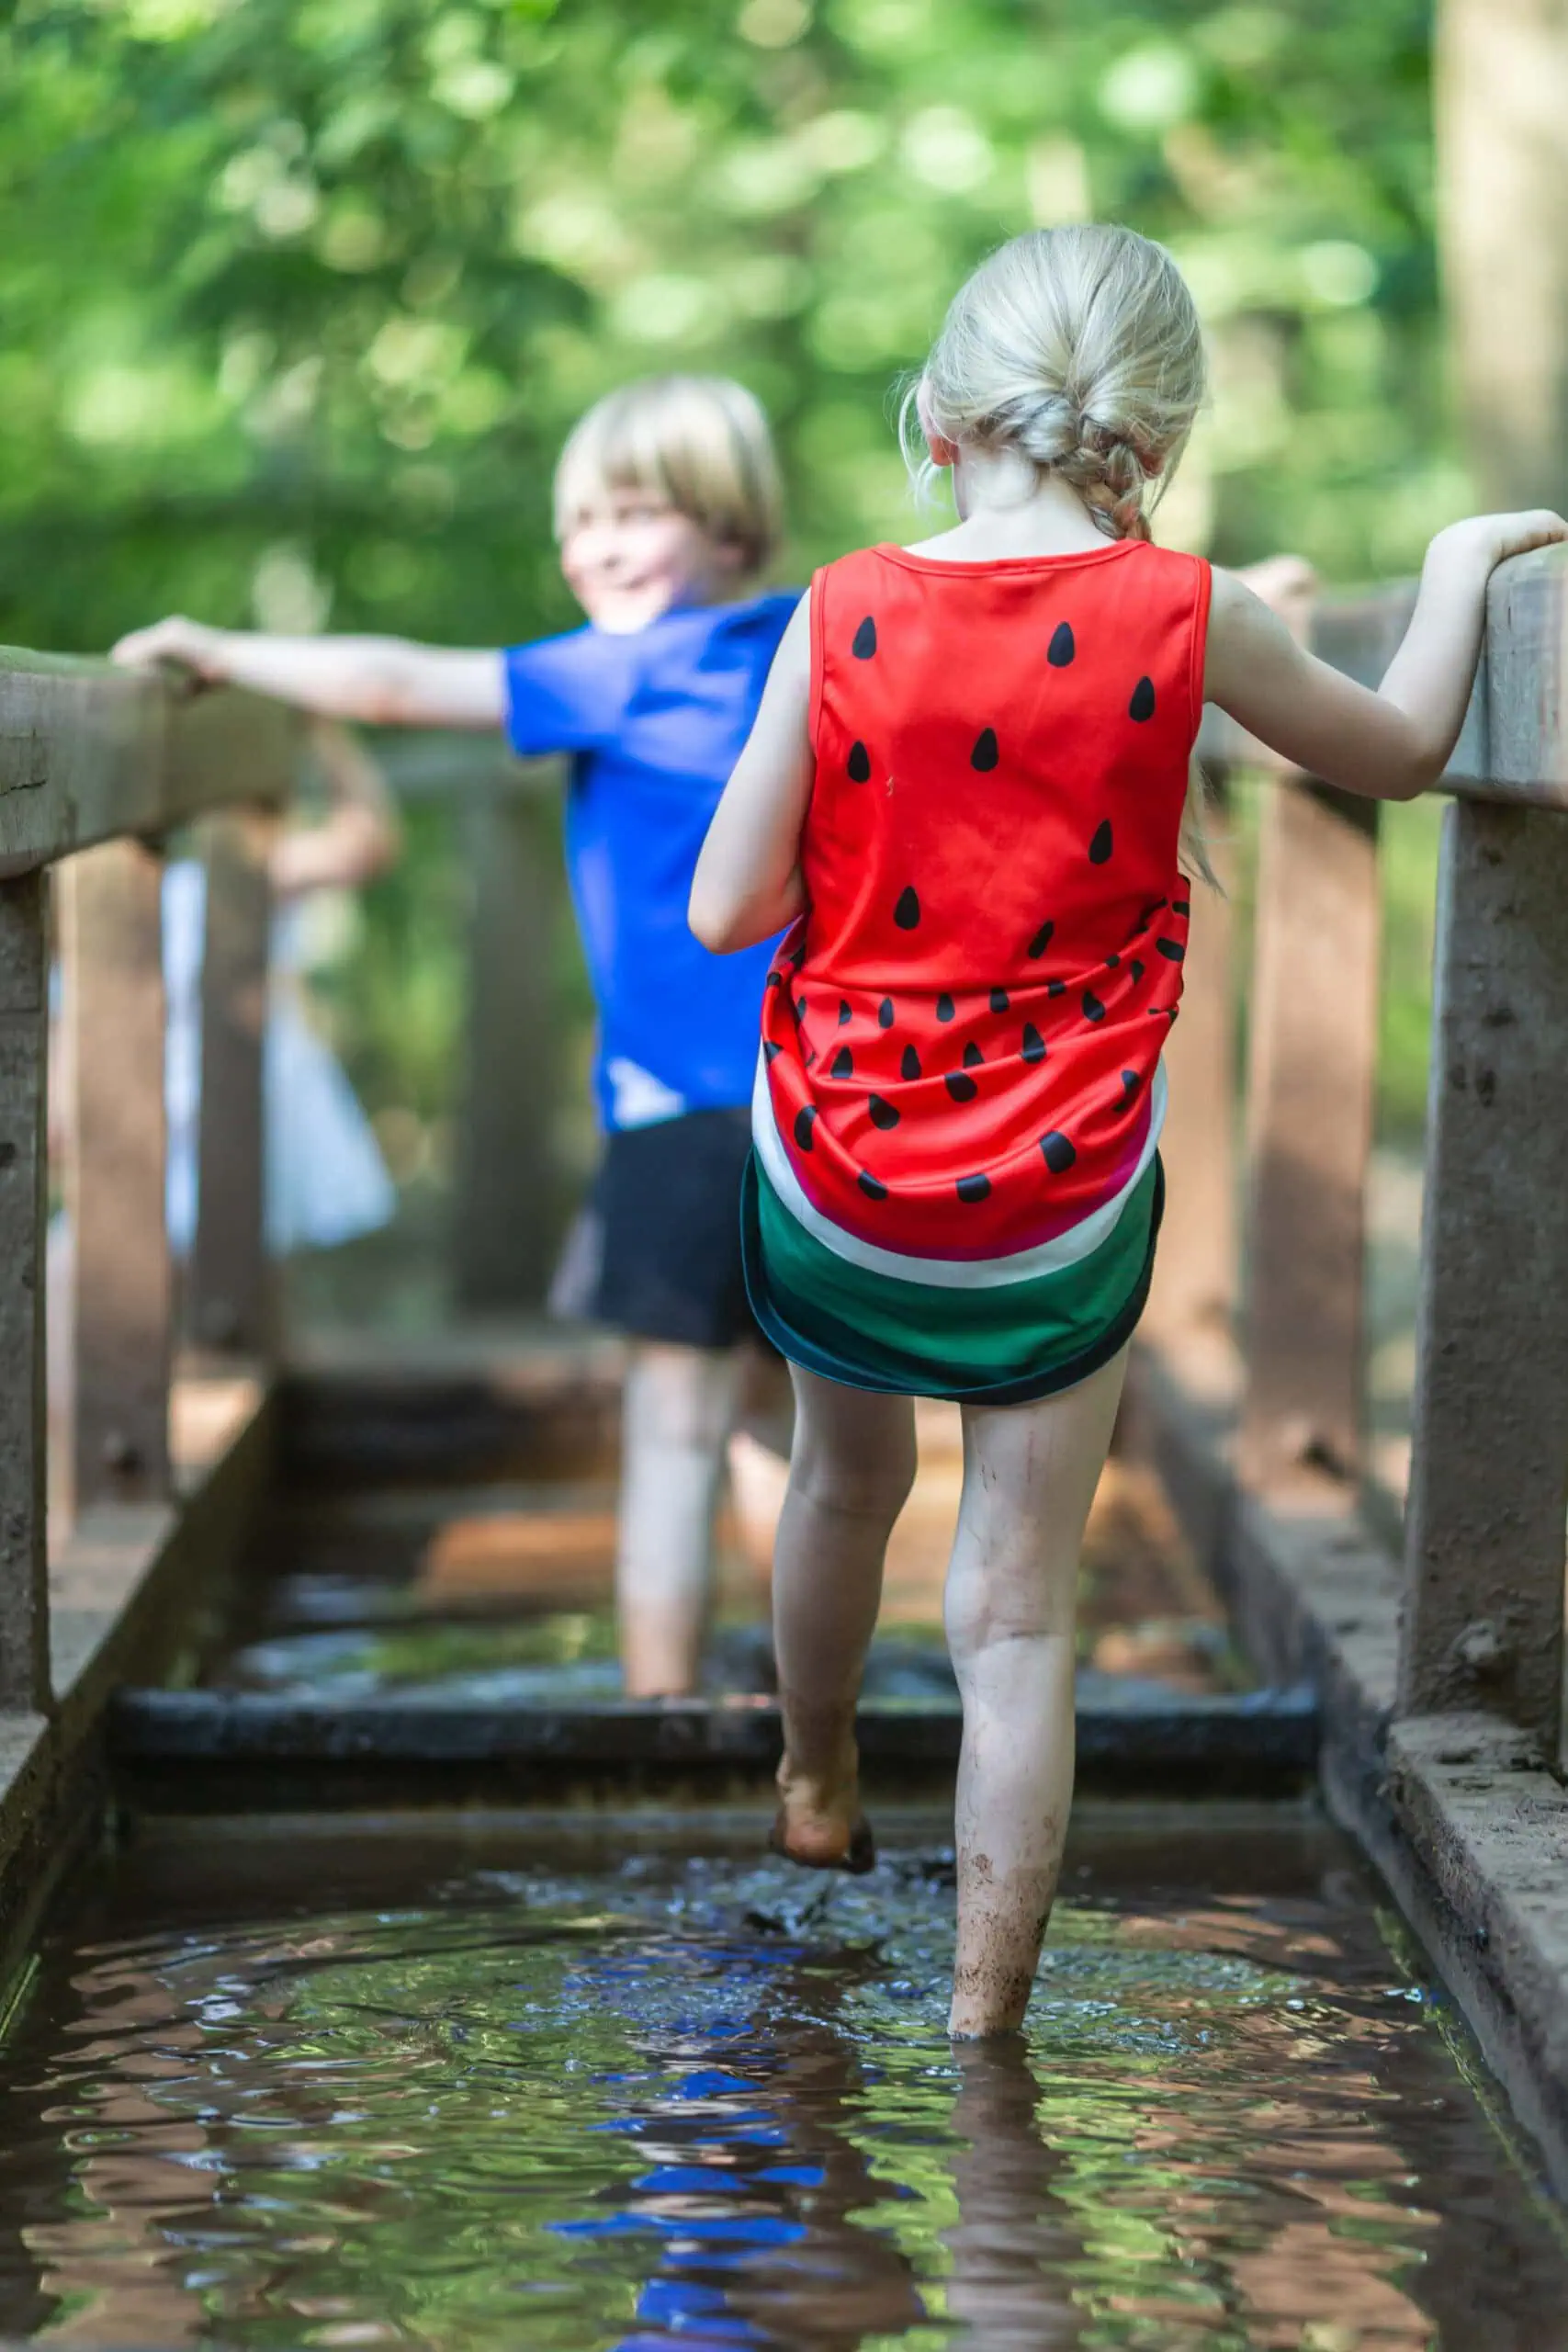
column 175, row 643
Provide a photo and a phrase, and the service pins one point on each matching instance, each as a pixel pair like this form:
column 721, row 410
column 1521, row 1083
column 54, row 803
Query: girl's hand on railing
column 175, row 643
column 1491, row 539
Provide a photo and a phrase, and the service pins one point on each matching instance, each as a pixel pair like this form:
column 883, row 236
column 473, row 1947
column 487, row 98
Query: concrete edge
column 126, row 1590
column 1458, row 1813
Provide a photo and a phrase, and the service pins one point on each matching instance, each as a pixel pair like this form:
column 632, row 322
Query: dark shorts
column 657, row 1253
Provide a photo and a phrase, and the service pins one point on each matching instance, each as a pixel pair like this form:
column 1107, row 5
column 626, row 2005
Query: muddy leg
column 676, row 1413
column 1030, row 1472
column 849, row 1472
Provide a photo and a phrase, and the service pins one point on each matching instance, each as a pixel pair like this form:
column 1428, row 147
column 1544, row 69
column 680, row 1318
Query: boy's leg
column 676, row 1413
column 853, row 1465
column 1030, row 1472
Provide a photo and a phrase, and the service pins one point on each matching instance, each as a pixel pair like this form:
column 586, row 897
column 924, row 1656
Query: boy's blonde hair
column 699, row 443
column 1080, row 347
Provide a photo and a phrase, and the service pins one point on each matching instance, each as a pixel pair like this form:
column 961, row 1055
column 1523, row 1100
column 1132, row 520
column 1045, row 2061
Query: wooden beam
column 505, row 1232
column 88, row 753
column 24, row 1199
column 1483, row 1622
column 111, row 960
column 231, row 1302
column 1313, row 1058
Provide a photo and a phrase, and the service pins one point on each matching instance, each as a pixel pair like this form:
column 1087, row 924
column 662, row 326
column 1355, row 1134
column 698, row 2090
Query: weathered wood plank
column 24, row 1079
column 504, row 1231
column 88, row 753
column 1312, row 1065
column 1489, row 1470
column 113, row 1005
column 231, row 1301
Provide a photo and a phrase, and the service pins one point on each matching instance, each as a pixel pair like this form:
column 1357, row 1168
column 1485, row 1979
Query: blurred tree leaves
column 300, row 296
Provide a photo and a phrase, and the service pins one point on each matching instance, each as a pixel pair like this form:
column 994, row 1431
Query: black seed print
column 883, row 1114
column 910, row 1065
column 863, row 645
column 1059, row 1152
column 944, row 1008
column 1060, row 649
column 1112, row 961
column 804, row 1122
column 885, row 1013
column 795, row 958
column 843, row 1012
column 1147, row 915
column 999, row 1000
column 974, row 1188
column 775, row 980
column 843, row 1064
column 1143, row 703
column 1042, row 940
column 1092, row 1008
column 769, row 1051
column 859, row 763
column 1130, row 1083
column 972, row 1057
column 870, row 1187
column 963, row 1090
column 808, row 1057
column 906, row 913
column 985, row 755
column 800, row 1008
column 1033, row 1044
column 1137, row 969
column 1100, row 848
column 1171, row 949
column 1180, row 906
column 1055, row 988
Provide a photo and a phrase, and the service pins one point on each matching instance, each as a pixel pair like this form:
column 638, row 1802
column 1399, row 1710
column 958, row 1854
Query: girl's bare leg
column 759, row 1454
column 676, row 1412
column 1030, row 1472
column 850, row 1470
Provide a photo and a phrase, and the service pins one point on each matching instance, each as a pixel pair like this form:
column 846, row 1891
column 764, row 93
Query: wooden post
column 113, row 988
column 504, row 1230
column 24, row 1197
column 1194, row 1285
column 1313, row 1065
column 230, row 1283
column 1483, row 1623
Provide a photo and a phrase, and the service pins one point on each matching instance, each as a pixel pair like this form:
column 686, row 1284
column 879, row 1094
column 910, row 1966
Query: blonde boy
column 667, row 504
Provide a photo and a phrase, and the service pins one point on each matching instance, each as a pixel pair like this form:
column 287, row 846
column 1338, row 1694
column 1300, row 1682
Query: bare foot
column 820, row 1823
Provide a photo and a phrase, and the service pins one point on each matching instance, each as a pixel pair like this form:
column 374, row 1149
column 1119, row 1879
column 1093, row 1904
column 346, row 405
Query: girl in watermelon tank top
column 966, row 793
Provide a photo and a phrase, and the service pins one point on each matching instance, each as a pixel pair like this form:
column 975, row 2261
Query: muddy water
column 624, row 2087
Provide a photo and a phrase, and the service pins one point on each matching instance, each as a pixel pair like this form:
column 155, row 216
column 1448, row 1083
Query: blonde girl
column 964, row 792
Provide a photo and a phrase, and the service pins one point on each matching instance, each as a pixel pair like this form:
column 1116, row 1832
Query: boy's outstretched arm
column 1396, row 742
column 748, row 884
column 381, row 681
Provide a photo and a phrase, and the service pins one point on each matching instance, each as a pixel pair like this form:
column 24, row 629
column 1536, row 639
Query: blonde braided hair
column 1079, row 348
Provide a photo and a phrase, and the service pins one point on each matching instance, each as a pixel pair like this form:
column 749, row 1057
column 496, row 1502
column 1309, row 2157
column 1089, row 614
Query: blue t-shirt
column 654, row 723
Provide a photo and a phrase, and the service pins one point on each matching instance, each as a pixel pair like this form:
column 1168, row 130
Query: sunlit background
column 299, row 297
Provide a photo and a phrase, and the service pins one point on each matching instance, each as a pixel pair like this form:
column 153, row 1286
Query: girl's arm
column 1396, row 742
column 748, row 884
column 360, row 839
column 382, row 681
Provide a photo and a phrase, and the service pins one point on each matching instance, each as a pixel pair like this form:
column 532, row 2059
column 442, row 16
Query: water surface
column 622, row 2085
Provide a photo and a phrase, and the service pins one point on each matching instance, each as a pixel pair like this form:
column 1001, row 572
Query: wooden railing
column 96, row 769
column 1262, row 1284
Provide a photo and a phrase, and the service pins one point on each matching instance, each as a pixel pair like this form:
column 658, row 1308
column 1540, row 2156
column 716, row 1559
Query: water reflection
column 672, row 2100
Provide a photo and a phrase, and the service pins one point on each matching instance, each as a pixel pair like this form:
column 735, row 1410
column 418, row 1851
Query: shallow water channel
column 618, row 2082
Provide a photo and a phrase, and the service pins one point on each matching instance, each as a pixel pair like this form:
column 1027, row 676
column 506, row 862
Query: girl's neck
column 1008, row 508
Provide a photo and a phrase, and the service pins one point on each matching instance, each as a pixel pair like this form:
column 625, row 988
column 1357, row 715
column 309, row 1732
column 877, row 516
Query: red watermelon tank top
column 961, row 1036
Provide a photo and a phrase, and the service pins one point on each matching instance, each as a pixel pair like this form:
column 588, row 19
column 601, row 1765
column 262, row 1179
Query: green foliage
column 300, row 295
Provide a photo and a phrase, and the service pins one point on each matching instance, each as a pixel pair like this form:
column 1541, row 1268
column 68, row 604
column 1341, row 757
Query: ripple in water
column 676, row 2101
